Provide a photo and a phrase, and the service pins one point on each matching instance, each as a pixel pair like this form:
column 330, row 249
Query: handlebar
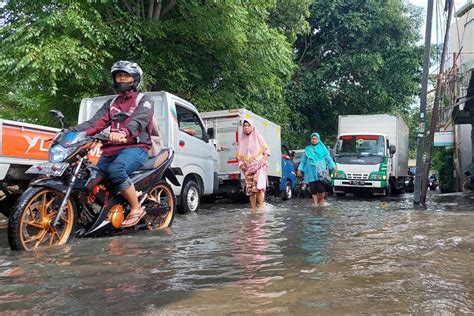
column 101, row 137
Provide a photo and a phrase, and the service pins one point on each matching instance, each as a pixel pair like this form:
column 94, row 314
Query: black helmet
column 132, row 69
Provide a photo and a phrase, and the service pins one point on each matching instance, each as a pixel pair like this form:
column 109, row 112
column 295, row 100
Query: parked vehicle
column 298, row 155
column 22, row 145
column 410, row 183
column 288, row 175
column 227, row 125
column 433, row 183
column 371, row 154
column 195, row 155
column 69, row 201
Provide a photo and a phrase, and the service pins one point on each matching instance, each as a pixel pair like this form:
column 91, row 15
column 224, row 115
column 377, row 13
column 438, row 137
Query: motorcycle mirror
column 120, row 117
column 57, row 115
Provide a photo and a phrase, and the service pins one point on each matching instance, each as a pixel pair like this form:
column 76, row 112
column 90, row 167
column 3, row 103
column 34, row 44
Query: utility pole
column 457, row 183
column 423, row 101
column 435, row 114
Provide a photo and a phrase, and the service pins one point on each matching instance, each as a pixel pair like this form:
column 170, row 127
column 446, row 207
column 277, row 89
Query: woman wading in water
column 314, row 166
column 252, row 155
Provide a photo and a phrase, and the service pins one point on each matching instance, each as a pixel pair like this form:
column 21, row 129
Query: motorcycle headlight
column 58, row 153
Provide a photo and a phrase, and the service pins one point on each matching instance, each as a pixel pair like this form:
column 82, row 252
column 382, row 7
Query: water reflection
column 316, row 230
column 376, row 256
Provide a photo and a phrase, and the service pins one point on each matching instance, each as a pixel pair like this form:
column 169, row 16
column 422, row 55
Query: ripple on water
column 374, row 255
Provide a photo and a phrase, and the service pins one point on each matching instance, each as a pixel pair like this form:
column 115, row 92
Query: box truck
column 371, row 154
column 227, row 125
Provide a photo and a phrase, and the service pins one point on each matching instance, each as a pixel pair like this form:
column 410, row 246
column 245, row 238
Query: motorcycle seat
column 157, row 161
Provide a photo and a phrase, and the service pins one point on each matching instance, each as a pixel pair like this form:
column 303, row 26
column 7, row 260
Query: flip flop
column 135, row 218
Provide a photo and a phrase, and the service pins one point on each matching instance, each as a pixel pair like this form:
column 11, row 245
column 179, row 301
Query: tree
column 217, row 54
column 360, row 57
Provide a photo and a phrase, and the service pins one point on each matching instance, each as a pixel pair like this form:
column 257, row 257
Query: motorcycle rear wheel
column 30, row 225
column 160, row 196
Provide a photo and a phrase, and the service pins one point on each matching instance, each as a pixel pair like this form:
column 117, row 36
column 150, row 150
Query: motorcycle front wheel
column 162, row 205
column 30, row 225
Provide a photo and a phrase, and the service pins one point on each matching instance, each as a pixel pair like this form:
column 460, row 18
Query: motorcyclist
column 129, row 140
column 468, row 180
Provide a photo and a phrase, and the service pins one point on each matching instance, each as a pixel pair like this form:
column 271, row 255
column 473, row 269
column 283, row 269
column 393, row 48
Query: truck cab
column 371, row 154
column 363, row 162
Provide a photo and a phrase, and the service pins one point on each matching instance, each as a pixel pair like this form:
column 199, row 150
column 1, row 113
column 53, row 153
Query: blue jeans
column 118, row 168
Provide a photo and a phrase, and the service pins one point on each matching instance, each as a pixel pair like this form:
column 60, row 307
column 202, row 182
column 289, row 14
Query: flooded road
column 354, row 256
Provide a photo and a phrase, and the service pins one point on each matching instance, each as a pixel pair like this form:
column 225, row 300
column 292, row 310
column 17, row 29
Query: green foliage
column 442, row 165
column 360, row 57
column 289, row 16
column 217, row 54
column 299, row 63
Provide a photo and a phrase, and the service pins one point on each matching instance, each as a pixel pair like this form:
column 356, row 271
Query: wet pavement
column 354, row 256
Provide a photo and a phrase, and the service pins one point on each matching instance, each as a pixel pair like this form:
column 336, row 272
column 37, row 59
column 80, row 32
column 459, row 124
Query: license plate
column 49, row 168
column 357, row 182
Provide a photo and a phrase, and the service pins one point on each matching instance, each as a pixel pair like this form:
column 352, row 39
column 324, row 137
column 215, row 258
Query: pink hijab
column 252, row 145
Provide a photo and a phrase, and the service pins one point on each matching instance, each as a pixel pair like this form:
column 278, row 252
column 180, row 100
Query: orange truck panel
column 28, row 141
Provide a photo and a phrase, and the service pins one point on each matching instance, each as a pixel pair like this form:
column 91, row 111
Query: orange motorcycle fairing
column 116, row 216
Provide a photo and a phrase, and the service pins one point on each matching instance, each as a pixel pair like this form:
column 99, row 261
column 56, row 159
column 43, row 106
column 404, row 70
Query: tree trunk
column 151, row 7
column 168, row 7
column 156, row 14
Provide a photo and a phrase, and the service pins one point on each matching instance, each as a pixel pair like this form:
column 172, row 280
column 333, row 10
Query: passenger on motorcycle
column 129, row 140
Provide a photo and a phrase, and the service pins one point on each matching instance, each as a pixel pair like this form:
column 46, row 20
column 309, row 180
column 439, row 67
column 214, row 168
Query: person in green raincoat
column 314, row 165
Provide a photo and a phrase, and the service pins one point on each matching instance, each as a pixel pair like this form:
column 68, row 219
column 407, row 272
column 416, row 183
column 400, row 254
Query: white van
column 196, row 157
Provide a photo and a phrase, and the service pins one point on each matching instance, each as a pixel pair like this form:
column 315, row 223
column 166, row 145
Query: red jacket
column 137, row 127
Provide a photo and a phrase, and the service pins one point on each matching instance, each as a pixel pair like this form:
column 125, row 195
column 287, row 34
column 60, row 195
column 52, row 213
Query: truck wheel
column 287, row 193
column 340, row 194
column 190, row 198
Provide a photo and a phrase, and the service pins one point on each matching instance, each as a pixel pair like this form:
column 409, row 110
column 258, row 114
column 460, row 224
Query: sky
column 437, row 33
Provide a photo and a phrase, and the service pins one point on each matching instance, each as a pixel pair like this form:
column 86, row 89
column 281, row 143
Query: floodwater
column 354, row 256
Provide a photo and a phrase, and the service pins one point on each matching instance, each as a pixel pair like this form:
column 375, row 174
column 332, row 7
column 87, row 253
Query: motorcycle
column 432, row 183
column 69, row 198
column 410, row 184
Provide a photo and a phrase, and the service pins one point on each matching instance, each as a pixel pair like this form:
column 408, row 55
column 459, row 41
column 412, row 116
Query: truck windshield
column 360, row 146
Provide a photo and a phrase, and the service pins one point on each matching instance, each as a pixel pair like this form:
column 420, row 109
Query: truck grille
column 358, row 176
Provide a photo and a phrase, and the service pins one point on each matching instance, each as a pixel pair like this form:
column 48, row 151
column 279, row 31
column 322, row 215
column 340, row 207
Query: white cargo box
column 227, row 125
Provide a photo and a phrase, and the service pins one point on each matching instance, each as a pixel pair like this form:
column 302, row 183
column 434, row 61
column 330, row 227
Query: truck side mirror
column 392, row 149
column 57, row 115
column 210, row 132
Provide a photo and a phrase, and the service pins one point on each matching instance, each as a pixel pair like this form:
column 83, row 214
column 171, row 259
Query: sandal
column 133, row 218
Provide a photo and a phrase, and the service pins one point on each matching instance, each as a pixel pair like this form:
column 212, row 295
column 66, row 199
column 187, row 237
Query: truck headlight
column 378, row 176
column 340, row 175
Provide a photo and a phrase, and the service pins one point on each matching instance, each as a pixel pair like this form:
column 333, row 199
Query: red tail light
column 235, row 176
